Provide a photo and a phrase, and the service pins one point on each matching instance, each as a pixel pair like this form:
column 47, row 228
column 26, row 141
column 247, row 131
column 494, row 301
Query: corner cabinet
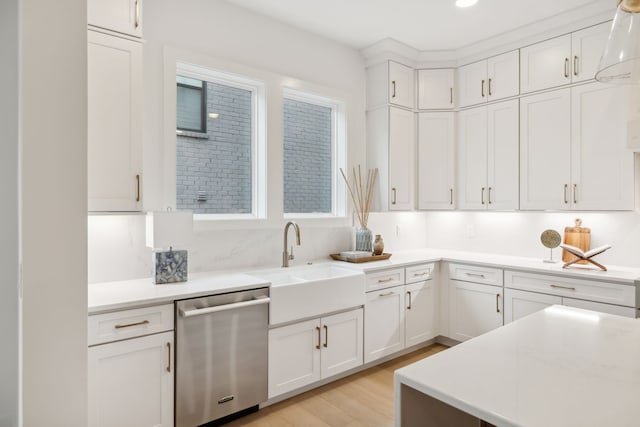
column 436, row 157
column 573, row 153
column 114, row 123
column 131, row 368
column 391, row 148
column 488, row 157
column 305, row 352
column 435, row 89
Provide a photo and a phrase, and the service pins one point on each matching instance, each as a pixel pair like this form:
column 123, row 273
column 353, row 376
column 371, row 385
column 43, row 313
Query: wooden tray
column 361, row 259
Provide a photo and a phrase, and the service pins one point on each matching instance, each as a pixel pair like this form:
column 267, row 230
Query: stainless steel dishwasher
column 221, row 355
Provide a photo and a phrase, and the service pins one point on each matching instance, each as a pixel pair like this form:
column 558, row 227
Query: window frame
column 338, row 151
column 258, row 135
column 203, row 106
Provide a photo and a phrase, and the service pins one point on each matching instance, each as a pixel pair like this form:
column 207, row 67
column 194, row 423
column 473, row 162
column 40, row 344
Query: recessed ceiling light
column 465, row 3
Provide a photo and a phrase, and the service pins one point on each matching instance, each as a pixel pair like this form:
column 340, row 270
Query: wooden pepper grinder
column 579, row 237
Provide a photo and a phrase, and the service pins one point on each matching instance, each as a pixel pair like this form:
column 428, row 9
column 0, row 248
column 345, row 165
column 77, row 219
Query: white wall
column 9, row 299
column 54, row 212
column 284, row 55
column 509, row 233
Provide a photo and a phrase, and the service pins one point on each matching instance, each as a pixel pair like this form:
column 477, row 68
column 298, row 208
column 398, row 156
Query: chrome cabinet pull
column 137, row 188
column 137, row 13
column 575, row 194
column 168, row 357
column 566, row 186
column 575, row 65
column 409, row 293
column 451, row 95
column 319, row 339
column 326, row 336
column 451, row 196
column 482, row 195
column 497, row 303
column 490, row 87
column 128, row 325
column 568, row 288
column 489, row 195
column 386, row 294
column 393, row 84
column 394, row 196
column 566, row 68
column 476, row 275
column 482, row 88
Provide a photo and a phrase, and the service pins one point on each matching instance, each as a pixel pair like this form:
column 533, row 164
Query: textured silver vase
column 363, row 239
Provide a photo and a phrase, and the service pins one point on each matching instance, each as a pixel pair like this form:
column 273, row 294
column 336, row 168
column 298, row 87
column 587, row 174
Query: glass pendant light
column 620, row 62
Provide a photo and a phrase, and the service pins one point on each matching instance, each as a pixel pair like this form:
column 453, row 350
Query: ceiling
column 426, row 25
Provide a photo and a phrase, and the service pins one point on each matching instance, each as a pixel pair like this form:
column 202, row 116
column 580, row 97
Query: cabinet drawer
column 125, row 324
column 385, row 279
column 476, row 274
column 591, row 290
column 419, row 273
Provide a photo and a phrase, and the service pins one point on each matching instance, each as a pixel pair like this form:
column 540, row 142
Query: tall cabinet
column 114, row 57
column 436, row 160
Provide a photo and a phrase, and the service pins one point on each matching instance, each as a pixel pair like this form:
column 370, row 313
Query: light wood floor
column 363, row 399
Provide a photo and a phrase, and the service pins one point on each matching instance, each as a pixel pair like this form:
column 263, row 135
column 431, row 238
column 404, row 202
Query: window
column 191, row 105
column 313, row 152
column 217, row 160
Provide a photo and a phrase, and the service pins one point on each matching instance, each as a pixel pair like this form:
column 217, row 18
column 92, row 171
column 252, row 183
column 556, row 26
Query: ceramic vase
column 363, row 239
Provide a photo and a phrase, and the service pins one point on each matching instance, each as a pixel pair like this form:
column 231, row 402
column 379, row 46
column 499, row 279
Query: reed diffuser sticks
column 361, row 193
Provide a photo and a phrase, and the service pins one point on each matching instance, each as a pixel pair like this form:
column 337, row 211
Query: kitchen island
column 560, row 366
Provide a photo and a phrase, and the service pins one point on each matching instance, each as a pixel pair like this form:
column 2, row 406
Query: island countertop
column 558, row 367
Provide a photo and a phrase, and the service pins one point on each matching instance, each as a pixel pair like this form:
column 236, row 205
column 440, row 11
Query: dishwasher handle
column 224, row 307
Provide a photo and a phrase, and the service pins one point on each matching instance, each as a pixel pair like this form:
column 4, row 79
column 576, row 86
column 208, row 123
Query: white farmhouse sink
column 311, row 290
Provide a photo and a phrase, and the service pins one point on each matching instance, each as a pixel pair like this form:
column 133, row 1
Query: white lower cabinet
column 131, row 382
column 473, row 309
column 384, row 323
column 518, row 304
column 420, row 319
column 305, row 352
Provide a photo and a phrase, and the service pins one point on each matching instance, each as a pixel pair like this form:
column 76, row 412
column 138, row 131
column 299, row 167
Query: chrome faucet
column 286, row 256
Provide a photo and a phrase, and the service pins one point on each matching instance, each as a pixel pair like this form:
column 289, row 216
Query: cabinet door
column 435, row 89
column 587, row 46
column 420, row 315
column 503, row 76
column 383, row 323
column 503, row 148
column 114, row 123
column 401, row 85
column 402, row 159
column 518, row 304
column 342, row 344
column 123, row 16
column 601, row 165
column 436, row 142
column 294, row 356
column 472, row 159
column 472, row 84
column 545, row 150
column 131, row 382
column 600, row 307
column 546, row 64
column 473, row 309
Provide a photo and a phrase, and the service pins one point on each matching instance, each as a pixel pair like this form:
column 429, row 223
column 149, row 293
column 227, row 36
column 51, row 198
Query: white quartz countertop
column 135, row 293
column 558, row 367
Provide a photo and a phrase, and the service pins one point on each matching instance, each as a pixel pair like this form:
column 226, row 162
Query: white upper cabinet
column 122, row 16
column 114, row 123
column 545, row 154
column 489, row 80
column 390, row 83
column 436, row 160
column 402, row 142
column 488, row 157
column 562, row 60
column 401, row 85
column 601, row 165
column 435, row 89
